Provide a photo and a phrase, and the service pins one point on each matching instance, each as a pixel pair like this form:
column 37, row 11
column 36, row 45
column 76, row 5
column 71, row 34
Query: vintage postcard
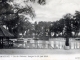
column 40, row 29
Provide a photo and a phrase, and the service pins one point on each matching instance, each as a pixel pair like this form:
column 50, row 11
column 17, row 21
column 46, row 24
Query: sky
column 54, row 9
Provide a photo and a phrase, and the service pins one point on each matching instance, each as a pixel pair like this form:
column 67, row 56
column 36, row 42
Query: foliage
column 14, row 17
column 68, row 24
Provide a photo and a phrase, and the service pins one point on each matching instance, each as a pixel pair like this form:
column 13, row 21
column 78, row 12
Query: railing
column 37, row 45
column 75, row 45
column 52, row 44
column 60, row 45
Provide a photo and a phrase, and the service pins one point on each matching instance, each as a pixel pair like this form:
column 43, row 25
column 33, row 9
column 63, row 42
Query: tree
column 67, row 26
column 57, row 27
column 42, row 30
column 10, row 14
column 63, row 25
column 76, row 23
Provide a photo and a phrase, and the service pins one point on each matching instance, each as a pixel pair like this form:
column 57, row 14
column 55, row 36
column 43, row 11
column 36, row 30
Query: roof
column 5, row 33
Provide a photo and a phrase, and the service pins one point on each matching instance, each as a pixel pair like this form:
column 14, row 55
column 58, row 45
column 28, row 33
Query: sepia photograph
column 30, row 27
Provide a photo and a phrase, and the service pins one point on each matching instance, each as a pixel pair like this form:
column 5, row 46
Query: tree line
column 67, row 25
column 13, row 17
